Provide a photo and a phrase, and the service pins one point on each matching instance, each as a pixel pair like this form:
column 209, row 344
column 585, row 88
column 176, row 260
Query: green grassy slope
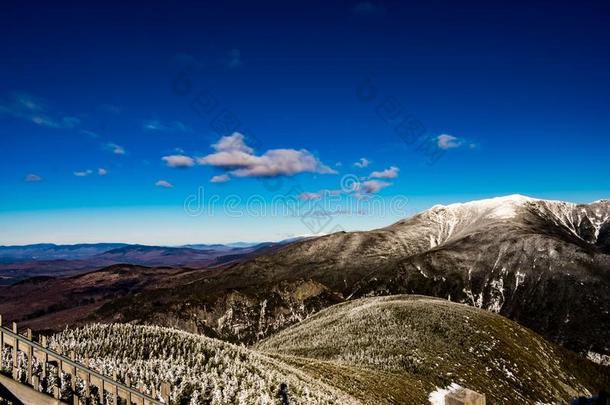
column 397, row 349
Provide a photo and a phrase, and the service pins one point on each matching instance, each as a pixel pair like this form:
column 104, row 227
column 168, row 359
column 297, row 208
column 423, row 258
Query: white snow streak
column 437, row 397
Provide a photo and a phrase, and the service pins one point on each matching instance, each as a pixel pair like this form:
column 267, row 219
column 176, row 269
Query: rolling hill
column 380, row 350
column 422, row 343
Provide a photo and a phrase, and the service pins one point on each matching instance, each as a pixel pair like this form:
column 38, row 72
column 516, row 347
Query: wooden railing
column 41, row 352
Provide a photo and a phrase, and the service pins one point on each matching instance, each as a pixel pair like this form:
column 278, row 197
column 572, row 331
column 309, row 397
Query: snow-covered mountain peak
column 584, row 221
column 448, row 222
column 498, row 207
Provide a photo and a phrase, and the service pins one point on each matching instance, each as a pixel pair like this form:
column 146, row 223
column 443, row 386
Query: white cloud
column 372, row 186
column 102, row 172
column 445, row 142
column 234, row 142
column 233, row 155
column 309, row 196
column 153, row 125
column 179, row 161
column 32, row 178
column 222, row 178
column 173, row 126
column 362, row 163
column 114, row 148
column 44, row 121
column 390, row 173
column 83, row 173
column 164, row 184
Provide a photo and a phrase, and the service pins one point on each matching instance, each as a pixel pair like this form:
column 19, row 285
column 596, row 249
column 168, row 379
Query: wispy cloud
column 239, row 160
column 446, row 142
column 90, row 133
column 83, row 173
column 372, row 186
column 173, row 126
column 390, row 173
column 164, row 184
column 178, row 161
column 221, row 178
column 362, row 163
column 29, row 108
column 114, row 148
column 309, row 196
column 360, row 190
column 32, row 178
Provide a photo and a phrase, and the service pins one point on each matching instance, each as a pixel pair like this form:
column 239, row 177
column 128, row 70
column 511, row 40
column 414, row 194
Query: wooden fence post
column 165, row 391
column 15, row 353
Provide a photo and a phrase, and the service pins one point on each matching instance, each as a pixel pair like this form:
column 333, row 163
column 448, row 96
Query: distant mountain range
column 545, row 264
column 21, row 262
column 50, row 251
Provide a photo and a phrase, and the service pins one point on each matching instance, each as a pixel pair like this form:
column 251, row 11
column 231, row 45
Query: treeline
column 200, row 370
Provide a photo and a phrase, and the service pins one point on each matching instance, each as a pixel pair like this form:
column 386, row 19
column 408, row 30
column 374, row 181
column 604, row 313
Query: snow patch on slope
column 455, row 218
column 579, row 220
column 437, row 397
column 498, row 207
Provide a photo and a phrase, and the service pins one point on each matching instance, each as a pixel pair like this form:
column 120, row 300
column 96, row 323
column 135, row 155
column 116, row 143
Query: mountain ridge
column 542, row 263
column 535, row 261
column 17, row 263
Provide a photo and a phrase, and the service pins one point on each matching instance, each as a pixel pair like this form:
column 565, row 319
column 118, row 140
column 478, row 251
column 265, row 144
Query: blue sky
column 112, row 116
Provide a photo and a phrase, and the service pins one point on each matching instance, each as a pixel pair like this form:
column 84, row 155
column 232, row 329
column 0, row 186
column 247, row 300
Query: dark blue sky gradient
column 522, row 86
